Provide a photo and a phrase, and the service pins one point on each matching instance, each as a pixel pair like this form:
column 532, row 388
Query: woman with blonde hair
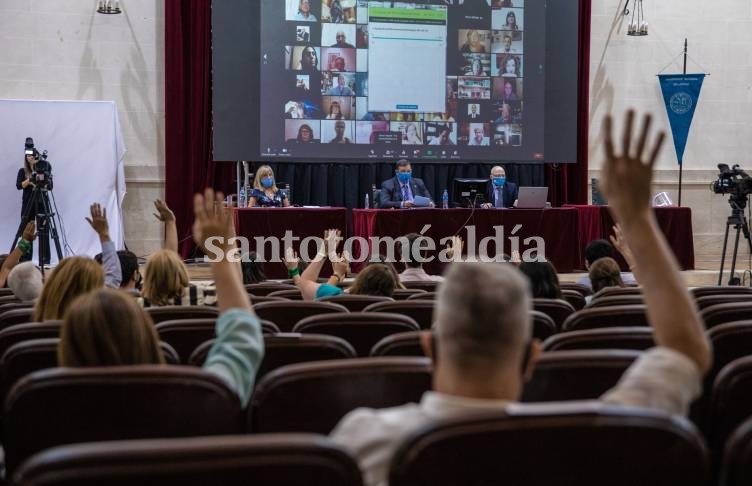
column 605, row 272
column 265, row 192
column 72, row 277
column 166, row 283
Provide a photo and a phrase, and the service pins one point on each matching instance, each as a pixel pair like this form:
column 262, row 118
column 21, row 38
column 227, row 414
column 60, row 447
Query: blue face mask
column 404, row 177
column 499, row 181
column 267, row 182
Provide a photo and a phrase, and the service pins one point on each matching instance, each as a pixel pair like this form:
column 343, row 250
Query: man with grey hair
column 483, row 337
column 25, row 280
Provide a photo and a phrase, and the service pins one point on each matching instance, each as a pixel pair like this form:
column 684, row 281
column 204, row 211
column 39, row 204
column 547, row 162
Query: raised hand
column 454, row 249
column 30, row 232
column 291, row 259
column 331, row 240
column 98, row 221
column 164, row 213
column 213, row 220
column 341, row 267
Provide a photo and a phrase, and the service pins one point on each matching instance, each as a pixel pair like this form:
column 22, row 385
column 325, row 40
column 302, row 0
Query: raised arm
column 113, row 273
column 617, row 239
column 626, row 182
column 165, row 215
column 22, row 246
column 308, row 283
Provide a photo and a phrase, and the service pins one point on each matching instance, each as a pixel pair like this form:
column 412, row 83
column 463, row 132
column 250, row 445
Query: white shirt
column 661, row 379
column 418, row 275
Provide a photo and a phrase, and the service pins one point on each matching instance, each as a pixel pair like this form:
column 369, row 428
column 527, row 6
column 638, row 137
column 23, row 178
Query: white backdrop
column 86, row 151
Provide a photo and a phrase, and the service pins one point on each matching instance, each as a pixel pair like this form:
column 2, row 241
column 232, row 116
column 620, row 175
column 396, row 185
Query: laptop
column 532, row 197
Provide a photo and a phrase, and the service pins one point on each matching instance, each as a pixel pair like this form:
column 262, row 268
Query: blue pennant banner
column 680, row 93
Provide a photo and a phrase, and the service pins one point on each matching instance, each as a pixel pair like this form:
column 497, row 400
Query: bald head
column 482, row 316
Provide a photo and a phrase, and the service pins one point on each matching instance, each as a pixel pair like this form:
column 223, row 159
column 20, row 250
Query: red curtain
column 568, row 183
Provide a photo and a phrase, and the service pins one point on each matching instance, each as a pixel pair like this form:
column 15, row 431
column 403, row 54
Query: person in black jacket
column 500, row 193
column 400, row 190
column 31, row 203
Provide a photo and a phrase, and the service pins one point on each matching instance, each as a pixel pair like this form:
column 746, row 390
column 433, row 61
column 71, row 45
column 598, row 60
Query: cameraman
column 26, row 181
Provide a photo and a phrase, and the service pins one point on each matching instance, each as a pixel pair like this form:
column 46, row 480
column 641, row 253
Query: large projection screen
column 369, row 81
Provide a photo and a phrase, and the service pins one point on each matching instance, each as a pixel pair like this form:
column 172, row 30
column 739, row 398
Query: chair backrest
column 313, row 397
column 420, row 310
column 186, row 334
column 543, row 326
column 587, row 446
column 266, row 288
column 423, row 296
column 289, row 294
column 400, row 344
column 5, row 291
column 427, row 285
column 731, row 401
column 722, row 313
column 356, row 303
column 257, row 299
column 361, row 329
column 575, row 298
column 8, row 299
column 737, row 457
column 171, row 356
column 698, row 292
column 578, row 287
column 286, row 314
column 403, row 294
column 7, row 306
column 174, row 312
column 634, row 338
column 576, row 375
column 617, row 291
column 16, row 316
column 614, row 316
column 612, row 300
column 707, row 300
column 730, row 341
column 556, row 309
column 70, row 405
column 30, row 330
column 232, row 460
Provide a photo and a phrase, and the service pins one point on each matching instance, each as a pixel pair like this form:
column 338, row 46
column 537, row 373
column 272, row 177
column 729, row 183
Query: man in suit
column 400, row 190
column 500, row 192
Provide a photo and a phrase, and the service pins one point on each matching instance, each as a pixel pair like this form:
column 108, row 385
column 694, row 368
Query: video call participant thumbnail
column 475, row 134
column 400, row 191
column 301, row 10
column 443, row 135
column 302, row 131
column 340, row 88
column 342, row 131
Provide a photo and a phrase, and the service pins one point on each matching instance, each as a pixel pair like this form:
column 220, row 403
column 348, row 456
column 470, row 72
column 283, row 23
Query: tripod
column 739, row 222
column 41, row 209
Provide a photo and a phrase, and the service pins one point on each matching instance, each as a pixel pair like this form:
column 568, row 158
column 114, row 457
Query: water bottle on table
column 445, row 199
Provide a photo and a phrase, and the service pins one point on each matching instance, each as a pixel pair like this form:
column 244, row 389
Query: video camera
column 733, row 181
column 42, row 174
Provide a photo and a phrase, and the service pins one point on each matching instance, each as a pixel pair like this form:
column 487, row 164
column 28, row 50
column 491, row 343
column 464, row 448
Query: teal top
column 326, row 290
column 237, row 352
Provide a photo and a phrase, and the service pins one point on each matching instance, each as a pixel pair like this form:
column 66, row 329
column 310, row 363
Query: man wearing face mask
column 401, row 190
column 501, row 193
column 265, row 192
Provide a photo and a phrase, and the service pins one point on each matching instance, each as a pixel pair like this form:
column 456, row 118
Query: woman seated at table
column 265, row 192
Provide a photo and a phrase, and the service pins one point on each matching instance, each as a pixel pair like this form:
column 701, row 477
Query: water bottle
column 367, row 204
column 241, row 197
column 445, row 199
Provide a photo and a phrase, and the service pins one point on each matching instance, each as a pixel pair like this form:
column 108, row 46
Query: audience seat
column 286, row 314
column 578, row 287
column 617, row 291
column 16, row 316
column 722, row 313
column 361, row 329
column 583, row 445
column 612, row 300
column 731, row 401
column 174, row 312
column 289, row 294
column 614, row 316
column 420, row 310
column 404, row 294
column 257, row 299
column 575, row 299
column 8, row 306
column 543, row 326
column 288, row 348
column 265, row 288
column 71, row 405
column 233, row 460
column 634, row 338
column 313, row 397
column 424, row 296
column 737, row 457
column 30, row 330
column 356, row 303
column 556, row 309
column 427, row 285
column 400, row 344
column 707, row 300
column 698, row 292
column 576, row 375
column 5, row 291
column 8, row 299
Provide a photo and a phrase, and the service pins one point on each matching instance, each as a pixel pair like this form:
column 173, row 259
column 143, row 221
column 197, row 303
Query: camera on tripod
column 42, row 174
column 738, row 184
column 733, row 181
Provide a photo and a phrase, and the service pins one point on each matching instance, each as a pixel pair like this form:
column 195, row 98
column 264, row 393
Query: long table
column 557, row 227
column 255, row 223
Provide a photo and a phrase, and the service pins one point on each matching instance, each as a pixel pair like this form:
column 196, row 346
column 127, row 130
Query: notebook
column 532, row 197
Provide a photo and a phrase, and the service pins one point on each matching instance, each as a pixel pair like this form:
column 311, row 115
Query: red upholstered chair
column 7, row 306
column 428, row 286
column 634, row 338
column 5, row 292
column 356, row 303
column 617, row 291
column 613, row 316
column 612, row 300
column 72, row 405
column 577, row 446
column 543, row 326
column 576, row 375
column 556, row 309
column 722, row 313
column 289, row 294
column 173, row 312
column 30, row 330
column 265, row 288
column 575, row 298
column 16, row 316
column 231, row 460
column 313, row 397
column 8, row 299
column 578, row 287
column 420, row 310
column 257, row 299
column 286, row 314
column 288, row 348
column 403, row 294
column 698, row 292
column 713, row 299
column 361, row 329
column 401, row 344
column 424, row 296
column 737, row 457
column 731, row 401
